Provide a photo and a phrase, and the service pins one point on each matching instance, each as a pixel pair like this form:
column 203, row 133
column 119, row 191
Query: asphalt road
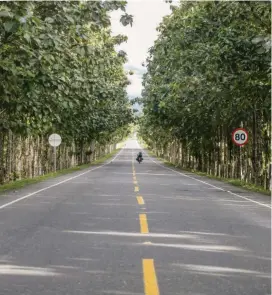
column 127, row 228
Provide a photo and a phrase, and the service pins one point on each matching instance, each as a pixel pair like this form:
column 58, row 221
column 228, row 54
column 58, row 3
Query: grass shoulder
column 235, row 182
column 14, row 185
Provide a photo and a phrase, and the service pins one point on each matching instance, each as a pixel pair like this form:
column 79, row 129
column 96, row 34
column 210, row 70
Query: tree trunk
column 254, row 148
column 2, row 165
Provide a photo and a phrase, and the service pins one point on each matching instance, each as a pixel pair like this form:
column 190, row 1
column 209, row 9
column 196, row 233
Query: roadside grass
column 13, row 185
column 235, row 182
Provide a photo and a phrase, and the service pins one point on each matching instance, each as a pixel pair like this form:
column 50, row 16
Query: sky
column 147, row 15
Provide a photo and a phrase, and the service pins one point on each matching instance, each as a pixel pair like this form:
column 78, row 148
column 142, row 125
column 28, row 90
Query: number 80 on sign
column 239, row 136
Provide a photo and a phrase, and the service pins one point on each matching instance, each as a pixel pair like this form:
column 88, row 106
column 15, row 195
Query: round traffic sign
column 54, row 139
column 239, row 136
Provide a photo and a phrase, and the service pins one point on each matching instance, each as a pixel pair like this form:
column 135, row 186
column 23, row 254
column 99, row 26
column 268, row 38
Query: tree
column 208, row 73
column 59, row 71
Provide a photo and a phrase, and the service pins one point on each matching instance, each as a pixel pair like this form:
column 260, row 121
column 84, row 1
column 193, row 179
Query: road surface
column 127, row 228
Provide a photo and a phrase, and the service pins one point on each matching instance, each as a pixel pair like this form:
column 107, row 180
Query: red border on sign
column 232, row 136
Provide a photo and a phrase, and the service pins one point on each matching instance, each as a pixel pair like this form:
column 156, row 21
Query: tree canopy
column 208, row 73
column 59, row 70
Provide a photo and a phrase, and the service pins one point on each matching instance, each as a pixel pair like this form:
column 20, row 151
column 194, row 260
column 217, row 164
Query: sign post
column 54, row 141
column 240, row 137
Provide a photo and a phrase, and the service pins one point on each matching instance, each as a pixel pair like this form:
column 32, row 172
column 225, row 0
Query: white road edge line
column 261, row 204
column 56, row 184
column 113, row 158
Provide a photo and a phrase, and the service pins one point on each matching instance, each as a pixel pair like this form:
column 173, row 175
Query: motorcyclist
column 140, row 155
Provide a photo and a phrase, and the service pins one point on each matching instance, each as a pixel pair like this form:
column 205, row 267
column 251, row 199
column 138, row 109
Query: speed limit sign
column 240, row 136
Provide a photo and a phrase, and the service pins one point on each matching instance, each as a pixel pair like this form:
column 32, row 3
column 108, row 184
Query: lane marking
column 242, row 197
column 56, row 184
column 155, row 174
column 123, row 160
column 114, row 157
column 150, row 278
column 136, row 189
column 219, row 188
column 140, row 200
column 135, row 182
column 143, row 224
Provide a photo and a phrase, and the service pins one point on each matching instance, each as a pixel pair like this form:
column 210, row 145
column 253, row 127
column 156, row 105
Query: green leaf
column 5, row 13
column 126, row 19
column 261, row 50
column 70, row 19
column 49, row 20
column 8, row 26
column 257, row 40
column 27, row 37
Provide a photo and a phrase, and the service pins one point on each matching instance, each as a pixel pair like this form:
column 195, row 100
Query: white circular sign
column 240, row 136
column 54, row 139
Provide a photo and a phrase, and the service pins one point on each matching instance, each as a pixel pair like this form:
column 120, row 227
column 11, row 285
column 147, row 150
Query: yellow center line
column 140, row 200
column 135, row 182
column 136, row 189
column 143, row 224
column 150, row 278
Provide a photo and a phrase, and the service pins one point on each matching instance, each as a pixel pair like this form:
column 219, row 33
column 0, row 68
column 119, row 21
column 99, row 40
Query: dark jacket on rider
column 140, row 155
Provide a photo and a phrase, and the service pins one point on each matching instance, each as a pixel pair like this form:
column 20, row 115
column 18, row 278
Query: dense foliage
column 59, row 72
column 209, row 73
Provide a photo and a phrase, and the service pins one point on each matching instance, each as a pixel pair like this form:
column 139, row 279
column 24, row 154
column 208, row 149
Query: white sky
column 147, row 15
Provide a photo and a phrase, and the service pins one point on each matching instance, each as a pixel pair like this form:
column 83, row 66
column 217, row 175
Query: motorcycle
column 139, row 159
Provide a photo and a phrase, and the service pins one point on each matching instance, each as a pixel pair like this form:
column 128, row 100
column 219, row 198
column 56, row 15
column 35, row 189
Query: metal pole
column 270, row 176
column 55, row 159
column 241, row 160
